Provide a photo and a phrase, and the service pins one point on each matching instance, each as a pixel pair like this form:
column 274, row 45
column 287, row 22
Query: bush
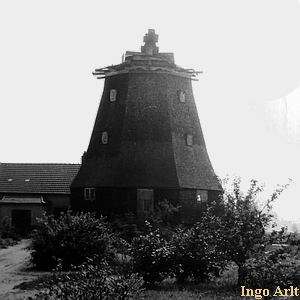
column 166, row 215
column 270, row 270
column 151, row 256
column 126, row 226
column 94, row 279
column 239, row 222
column 8, row 231
column 5, row 243
column 185, row 259
column 71, row 238
column 195, row 255
column 125, row 283
column 189, row 253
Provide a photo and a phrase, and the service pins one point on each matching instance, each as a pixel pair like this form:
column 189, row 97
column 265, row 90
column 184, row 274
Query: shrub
column 151, row 256
column 93, row 279
column 195, row 255
column 8, row 230
column 126, row 226
column 190, row 253
column 239, row 226
column 271, row 269
column 294, row 239
column 165, row 218
column 71, row 238
column 125, row 283
column 184, row 255
column 5, row 243
column 166, row 215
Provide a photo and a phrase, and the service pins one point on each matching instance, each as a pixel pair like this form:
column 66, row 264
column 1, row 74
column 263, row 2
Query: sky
column 248, row 96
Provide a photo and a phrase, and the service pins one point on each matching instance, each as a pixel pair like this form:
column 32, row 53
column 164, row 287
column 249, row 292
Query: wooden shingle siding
column 147, row 147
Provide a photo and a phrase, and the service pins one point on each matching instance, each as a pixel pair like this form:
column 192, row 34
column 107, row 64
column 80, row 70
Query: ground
column 15, row 270
column 14, row 266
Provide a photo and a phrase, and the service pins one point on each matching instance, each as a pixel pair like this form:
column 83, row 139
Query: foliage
column 195, row 254
column 93, row 279
column 294, row 239
column 223, row 287
column 190, row 253
column 165, row 218
column 71, row 238
column 8, row 230
column 5, row 243
column 271, row 269
column 125, row 283
column 230, row 230
column 219, row 288
column 239, row 223
column 151, row 256
column 126, row 226
column 166, row 215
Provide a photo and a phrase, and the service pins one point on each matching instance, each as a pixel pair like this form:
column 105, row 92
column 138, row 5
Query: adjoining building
column 27, row 190
column 147, row 143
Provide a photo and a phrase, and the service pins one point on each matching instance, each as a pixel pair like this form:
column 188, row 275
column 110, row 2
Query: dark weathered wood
column 147, row 126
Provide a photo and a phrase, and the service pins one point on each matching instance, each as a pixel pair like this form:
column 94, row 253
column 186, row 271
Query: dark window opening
column 89, row 194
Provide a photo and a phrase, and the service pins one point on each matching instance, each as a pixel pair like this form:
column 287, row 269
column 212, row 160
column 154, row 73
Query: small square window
column 189, row 140
column 202, row 196
column 181, row 96
column 113, row 95
column 89, row 194
column 104, row 137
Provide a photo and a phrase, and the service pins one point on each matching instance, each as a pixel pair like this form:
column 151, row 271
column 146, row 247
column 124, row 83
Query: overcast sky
column 248, row 96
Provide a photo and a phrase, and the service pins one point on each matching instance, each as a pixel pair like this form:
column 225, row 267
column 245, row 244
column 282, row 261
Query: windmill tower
column 147, row 143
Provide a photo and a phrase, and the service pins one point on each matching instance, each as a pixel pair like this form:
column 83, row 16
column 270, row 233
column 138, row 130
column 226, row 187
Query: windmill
column 147, row 143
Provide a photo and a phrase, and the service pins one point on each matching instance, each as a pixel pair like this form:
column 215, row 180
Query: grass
column 223, row 287
column 187, row 295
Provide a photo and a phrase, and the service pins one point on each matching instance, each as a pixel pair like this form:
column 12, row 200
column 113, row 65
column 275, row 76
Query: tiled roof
column 20, row 199
column 37, row 178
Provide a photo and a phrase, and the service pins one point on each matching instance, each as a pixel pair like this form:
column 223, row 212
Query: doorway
column 21, row 220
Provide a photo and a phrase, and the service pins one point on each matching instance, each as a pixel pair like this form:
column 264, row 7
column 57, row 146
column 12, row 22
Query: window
column 145, row 200
column 181, row 96
column 202, row 196
column 89, row 194
column 113, row 95
column 104, row 137
column 189, row 140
